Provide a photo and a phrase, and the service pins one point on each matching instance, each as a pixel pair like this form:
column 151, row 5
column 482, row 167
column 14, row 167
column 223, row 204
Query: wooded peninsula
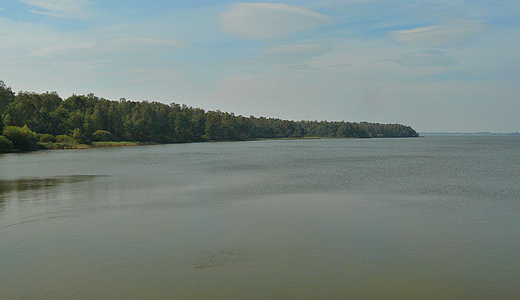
column 32, row 121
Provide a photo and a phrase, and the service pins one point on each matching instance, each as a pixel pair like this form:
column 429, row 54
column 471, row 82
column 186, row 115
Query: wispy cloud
column 137, row 44
column 60, row 8
column 97, row 47
column 294, row 56
column 307, row 49
column 426, row 59
column 269, row 20
column 290, row 55
column 454, row 34
column 61, row 49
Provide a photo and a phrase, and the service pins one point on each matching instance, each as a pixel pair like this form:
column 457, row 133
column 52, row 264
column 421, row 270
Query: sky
column 435, row 65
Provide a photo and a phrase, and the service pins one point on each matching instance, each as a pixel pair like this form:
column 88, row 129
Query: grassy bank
column 55, row 145
column 119, row 144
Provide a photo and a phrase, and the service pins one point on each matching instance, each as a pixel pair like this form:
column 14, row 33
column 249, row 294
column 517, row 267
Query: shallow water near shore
column 417, row 218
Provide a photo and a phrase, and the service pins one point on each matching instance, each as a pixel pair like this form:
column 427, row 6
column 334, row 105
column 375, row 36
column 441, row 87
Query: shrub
column 79, row 137
column 102, row 136
column 5, row 144
column 23, row 138
column 65, row 139
column 47, row 138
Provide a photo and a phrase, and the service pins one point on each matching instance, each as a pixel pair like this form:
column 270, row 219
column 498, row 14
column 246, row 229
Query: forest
column 32, row 121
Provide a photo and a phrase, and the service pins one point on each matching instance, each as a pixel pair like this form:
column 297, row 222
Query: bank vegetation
column 31, row 121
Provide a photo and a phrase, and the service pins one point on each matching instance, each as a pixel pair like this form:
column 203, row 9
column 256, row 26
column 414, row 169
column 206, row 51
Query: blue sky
column 437, row 65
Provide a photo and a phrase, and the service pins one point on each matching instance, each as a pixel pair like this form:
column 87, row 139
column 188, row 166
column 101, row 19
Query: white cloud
column 454, row 34
column 269, row 20
column 426, row 59
column 60, row 8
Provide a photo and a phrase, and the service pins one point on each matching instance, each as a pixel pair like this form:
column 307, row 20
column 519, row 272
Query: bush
column 5, row 144
column 23, row 138
column 47, row 138
column 102, row 136
column 79, row 137
column 65, row 139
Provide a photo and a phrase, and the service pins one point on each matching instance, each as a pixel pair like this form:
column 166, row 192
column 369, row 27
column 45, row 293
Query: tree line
column 30, row 121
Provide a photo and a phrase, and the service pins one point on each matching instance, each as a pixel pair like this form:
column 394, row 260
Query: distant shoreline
column 468, row 134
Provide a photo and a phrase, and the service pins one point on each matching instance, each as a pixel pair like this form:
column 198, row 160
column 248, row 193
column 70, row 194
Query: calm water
column 426, row 218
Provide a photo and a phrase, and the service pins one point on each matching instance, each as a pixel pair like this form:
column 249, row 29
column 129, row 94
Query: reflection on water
column 25, row 184
column 35, row 184
column 431, row 218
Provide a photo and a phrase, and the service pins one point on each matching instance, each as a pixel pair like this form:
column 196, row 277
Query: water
column 426, row 218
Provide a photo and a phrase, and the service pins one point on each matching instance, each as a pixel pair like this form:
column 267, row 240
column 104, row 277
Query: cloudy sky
column 436, row 65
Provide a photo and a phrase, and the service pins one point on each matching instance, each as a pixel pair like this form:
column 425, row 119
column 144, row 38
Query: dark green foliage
column 23, row 138
column 5, row 144
column 89, row 118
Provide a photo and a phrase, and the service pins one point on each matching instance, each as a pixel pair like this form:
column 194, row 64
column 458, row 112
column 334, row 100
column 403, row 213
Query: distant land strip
column 469, row 134
column 32, row 121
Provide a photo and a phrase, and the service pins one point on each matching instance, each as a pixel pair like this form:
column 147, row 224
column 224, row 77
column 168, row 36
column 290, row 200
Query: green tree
column 81, row 116
column 22, row 111
column 75, row 121
column 6, row 97
column 59, row 118
column 213, row 125
column 182, row 128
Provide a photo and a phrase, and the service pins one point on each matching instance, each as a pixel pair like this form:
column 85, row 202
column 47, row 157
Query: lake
column 416, row 218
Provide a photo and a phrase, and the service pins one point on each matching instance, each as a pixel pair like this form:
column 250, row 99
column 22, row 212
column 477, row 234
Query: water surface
column 426, row 218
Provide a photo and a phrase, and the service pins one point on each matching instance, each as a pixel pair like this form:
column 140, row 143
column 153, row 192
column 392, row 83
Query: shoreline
column 108, row 144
